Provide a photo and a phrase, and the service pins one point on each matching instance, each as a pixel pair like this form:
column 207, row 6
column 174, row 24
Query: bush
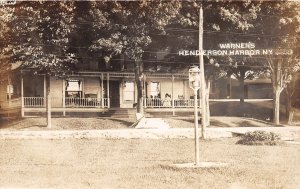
column 259, row 138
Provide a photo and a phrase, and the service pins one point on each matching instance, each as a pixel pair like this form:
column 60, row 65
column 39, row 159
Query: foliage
column 281, row 31
column 5, row 39
column 41, row 36
column 129, row 25
column 259, row 138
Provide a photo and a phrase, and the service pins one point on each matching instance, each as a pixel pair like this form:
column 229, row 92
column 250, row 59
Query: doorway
column 114, row 94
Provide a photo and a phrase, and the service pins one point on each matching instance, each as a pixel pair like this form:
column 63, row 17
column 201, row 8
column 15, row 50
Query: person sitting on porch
column 167, row 100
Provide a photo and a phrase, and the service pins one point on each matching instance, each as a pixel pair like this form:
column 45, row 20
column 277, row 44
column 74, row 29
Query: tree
column 5, row 38
column 128, row 29
column 259, row 23
column 244, row 69
column 291, row 95
column 236, row 18
column 280, row 32
column 221, row 19
column 41, row 36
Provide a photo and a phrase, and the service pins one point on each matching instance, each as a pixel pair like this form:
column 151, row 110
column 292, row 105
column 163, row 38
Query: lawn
column 68, row 123
column 72, row 123
column 140, row 163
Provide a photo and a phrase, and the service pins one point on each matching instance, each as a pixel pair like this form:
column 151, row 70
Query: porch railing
column 39, row 102
column 34, row 102
column 83, row 102
column 163, row 103
column 185, row 103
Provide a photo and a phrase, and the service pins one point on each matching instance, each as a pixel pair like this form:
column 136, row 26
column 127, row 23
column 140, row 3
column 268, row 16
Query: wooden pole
column 203, row 86
column 197, row 148
column 48, row 97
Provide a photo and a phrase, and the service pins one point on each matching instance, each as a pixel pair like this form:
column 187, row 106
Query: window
column 154, row 91
column 128, row 91
column 74, row 88
column 9, row 91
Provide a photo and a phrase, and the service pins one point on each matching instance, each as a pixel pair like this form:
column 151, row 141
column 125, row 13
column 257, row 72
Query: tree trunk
column 276, row 109
column 48, row 101
column 277, row 89
column 139, row 85
column 242, row 87
column 289, row 111
column 291, row 116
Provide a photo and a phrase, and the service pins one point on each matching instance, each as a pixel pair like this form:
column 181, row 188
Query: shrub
column 259, row 138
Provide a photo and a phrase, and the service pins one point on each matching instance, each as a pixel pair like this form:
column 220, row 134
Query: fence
column 39, row 102
column 162, row 103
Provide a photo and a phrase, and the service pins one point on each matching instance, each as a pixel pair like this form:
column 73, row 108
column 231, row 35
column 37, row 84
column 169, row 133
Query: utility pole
column 203, row 83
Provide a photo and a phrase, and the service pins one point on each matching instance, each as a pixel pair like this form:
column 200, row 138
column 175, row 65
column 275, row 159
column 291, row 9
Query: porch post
column 63, row 97
column 9, row 88
column 173, row 110
column 108, row 99
column 44, row 91
column 8, row 92
column 102, row 88
column 22, row 96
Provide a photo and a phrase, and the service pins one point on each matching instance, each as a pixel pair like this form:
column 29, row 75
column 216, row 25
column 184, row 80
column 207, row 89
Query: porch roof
column 131, row 75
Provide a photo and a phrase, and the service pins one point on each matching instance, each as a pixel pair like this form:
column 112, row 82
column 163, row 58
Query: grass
column 138, row 163
column 71, row 123
column 224, row 114
column 68, row 123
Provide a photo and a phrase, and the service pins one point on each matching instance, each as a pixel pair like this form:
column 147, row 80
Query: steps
column 168, row 114
column 119, row 113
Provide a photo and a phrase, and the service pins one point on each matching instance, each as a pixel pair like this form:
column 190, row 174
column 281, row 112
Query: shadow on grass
column 217, row 123
column 247, row 124
column 31, row 126
column 257, row 110
column 7, row 123
column 122, row 121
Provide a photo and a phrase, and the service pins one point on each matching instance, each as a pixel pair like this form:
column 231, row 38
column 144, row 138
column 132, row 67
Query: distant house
column 228, row 88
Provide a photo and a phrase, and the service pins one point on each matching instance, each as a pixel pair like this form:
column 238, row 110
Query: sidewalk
column 286, row 133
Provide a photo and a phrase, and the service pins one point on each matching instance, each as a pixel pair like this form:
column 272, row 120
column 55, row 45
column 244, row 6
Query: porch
column 99, row 92
column 38, row 105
